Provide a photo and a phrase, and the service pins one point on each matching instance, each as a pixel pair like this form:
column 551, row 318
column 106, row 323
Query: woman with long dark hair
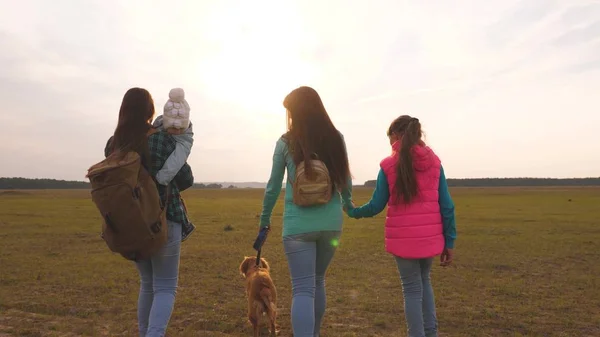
column 159, row 274
column 310, row 233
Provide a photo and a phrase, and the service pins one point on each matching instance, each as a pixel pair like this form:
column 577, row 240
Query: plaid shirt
column 160, row 146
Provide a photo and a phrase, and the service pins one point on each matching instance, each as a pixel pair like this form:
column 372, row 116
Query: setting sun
column 256, row 57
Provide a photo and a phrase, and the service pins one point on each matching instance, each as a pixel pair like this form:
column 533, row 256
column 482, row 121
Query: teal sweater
column 381, row 195
column 296, row 219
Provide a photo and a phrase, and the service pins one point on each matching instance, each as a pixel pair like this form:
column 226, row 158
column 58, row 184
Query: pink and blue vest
column 414, row 231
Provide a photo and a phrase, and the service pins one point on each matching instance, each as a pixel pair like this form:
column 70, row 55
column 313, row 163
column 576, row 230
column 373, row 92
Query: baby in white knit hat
column 176, row 120
column 176, row 111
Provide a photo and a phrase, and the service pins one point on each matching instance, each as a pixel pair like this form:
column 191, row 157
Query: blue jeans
column 308, row 257
column 158, row 285
column 419, row 302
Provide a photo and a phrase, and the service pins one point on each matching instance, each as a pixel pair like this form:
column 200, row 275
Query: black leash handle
column 258, row 258
column 260, row 240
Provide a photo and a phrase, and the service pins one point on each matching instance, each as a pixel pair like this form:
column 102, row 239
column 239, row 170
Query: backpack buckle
column 137, row 192
column 156, row 227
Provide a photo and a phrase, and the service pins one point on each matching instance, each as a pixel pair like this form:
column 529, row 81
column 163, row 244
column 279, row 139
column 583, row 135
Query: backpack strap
column 168, row 199
column 152, row 131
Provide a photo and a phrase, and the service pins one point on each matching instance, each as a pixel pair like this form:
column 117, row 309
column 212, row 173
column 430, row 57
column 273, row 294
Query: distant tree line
column 53, row 184
column 41, row 184
column 514, row 182
column 211, row 186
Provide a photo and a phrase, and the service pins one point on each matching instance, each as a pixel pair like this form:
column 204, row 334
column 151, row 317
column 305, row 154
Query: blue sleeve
column 378, row 201
column 274, row 185
column 447, row 210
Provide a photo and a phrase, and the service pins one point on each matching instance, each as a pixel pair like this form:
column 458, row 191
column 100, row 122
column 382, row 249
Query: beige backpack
column 134, row 219
column 311, row 192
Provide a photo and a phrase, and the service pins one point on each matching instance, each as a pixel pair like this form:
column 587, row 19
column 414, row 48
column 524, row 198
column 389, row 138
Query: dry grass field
column 527, row 264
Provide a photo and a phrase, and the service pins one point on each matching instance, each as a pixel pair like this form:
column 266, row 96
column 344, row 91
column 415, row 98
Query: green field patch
column 526, row 265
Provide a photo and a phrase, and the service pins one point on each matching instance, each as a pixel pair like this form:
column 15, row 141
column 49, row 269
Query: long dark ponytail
column 408, row 130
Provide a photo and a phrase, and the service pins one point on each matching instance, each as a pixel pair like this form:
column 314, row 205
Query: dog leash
column 258, row 257
column 260, row 240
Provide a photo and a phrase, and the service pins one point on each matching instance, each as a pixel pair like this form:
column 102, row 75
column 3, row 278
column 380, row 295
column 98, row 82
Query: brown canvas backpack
column 134, row 219
column 314, row 191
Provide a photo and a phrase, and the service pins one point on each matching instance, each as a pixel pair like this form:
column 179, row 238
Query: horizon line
column 259, row 182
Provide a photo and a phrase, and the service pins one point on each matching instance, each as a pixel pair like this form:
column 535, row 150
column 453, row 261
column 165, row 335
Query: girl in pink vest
column 420, row 219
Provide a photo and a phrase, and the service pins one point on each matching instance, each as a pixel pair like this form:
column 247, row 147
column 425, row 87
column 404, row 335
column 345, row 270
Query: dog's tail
column 267, row 297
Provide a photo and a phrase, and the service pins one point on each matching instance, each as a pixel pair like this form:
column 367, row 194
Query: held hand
column 351, row 205
column 446, row 257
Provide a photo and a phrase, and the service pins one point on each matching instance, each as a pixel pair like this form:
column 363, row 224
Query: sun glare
column 259, row 56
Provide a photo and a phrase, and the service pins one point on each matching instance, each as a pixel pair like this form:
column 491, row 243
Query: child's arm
column 378, row 201
column 177, row 158
column 273, row 188
column 447, row 210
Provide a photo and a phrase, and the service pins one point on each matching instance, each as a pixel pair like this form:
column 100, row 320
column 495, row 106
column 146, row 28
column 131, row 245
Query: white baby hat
column 176, row 112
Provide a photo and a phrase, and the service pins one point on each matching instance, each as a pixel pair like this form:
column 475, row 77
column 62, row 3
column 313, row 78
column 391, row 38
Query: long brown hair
column 135, row 116
column 310, row 131
column 408, row 131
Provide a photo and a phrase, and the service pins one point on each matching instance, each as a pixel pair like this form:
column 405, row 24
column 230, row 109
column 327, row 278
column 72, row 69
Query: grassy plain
column 527, row 264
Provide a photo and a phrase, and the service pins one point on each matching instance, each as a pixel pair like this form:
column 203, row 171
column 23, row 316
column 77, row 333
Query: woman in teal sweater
column 310, row 234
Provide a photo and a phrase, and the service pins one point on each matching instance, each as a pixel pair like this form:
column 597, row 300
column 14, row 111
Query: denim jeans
column 158, row 285
column 308, row 257
column 419, row 302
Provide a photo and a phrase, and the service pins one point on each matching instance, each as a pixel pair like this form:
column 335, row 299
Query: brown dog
column 261, row 292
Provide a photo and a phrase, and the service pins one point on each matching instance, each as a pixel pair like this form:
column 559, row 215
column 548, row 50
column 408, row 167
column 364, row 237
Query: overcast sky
column 503, row 88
